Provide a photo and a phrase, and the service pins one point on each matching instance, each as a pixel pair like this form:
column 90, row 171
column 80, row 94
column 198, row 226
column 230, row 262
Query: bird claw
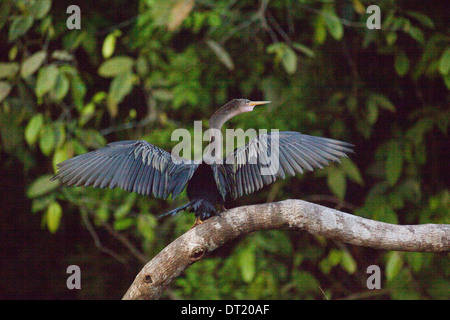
column 197, row 222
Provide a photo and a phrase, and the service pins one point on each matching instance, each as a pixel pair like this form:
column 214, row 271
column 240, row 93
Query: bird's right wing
column 135, row 166
column 260, row 162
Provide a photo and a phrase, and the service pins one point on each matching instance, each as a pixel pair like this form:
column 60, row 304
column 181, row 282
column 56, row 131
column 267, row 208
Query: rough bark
column 300, row 215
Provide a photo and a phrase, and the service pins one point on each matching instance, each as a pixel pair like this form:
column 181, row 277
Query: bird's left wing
column 277, row 154
column 135, row 166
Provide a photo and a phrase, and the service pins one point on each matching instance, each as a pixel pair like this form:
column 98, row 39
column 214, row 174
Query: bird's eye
column 247, row 101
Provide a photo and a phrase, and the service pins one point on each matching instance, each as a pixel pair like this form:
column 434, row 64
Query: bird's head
column 244, row 105
column 231, row 109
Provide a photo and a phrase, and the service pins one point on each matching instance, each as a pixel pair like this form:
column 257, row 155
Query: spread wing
column 135, row 166
column 260, row 162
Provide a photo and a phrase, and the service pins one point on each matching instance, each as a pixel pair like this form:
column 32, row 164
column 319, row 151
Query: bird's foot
column 197, row 222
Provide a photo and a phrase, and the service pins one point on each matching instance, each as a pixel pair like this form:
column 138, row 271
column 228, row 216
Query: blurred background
column 141, row 70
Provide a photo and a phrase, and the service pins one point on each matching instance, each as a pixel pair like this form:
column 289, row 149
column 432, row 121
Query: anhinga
column 138, row 166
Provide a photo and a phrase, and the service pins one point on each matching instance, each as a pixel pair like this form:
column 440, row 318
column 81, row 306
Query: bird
column 141, row 167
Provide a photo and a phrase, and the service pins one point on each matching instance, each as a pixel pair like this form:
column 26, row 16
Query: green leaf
column 63, row 153
column 221, row 53
column 162, row 94
column 102, row 214
column 391, row 37
column 78, row 147
column 320, row 32
column 41, row 203
column 33, row 128
column 142, row 66
column 444, row 62
column 246, row 261
column 352, row 171
column 325, row 265
column 289, row 60
column 422, row 18
column 383, row 102
column 178, row 13
column 62, row 55
column 401, row 64
column 61, row 87
column 333, row 23
column 285, row 54
column 86, row 114
column 334, row 257
column 145, row 224
column 48, row 140
column 19, row 26
column 41, row 186
column 91, row 138
column 394, row 162
column 60, row 134
column 109, row 45
column 410, row 189
column 115, row 66
column 305, row 281
column 8, row 69
column 359, row 7
column 40, row 8
column 303, row 49
column 5, row 89
column 372, row 111
column 415, row 260
column 348, row 263
column 78, row 90
column 121, row 85
column 394, row 264
column 415, row 33
column 46, row 79
column 122, row 211
column 32, row 63
column 276, row 48
column 336, row 181
column 125, row 208
column 123, row 224
column 99, row 97
column 53, row 216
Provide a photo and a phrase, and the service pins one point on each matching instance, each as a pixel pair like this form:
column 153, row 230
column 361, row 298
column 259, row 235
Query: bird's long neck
column 216, row 122
column 221, row 116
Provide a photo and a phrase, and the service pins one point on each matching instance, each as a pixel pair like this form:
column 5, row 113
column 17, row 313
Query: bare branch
column 289, row 214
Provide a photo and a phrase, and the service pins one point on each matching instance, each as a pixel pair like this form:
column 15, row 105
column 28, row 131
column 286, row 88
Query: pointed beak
column 256, row 103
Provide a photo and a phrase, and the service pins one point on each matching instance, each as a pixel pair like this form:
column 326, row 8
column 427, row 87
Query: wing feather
column 297, row 152
column 135, row 166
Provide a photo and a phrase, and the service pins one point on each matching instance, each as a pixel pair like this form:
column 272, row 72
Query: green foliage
column 139, row 72
column 53, row 216
column 41, row 186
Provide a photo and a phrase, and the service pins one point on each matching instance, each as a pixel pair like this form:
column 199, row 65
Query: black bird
column 141, row 167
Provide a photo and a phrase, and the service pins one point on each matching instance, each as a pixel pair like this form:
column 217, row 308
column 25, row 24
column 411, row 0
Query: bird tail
column 201, row 207
column 176, row 210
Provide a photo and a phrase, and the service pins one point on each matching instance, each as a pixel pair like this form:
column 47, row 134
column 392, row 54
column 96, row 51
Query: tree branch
column 300, row 215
